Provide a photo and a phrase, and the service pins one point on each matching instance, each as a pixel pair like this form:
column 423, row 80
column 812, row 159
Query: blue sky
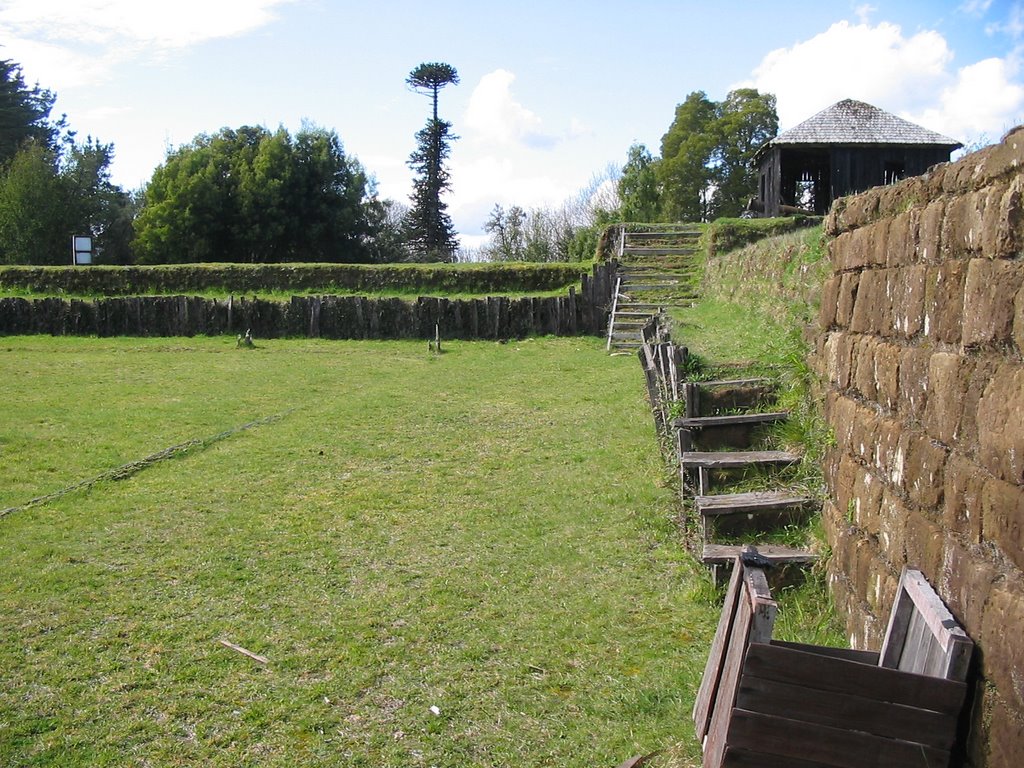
column 551, row 93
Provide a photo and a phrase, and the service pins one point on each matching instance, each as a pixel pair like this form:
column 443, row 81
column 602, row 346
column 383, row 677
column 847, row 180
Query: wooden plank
column 736, row 459
column 892, row 721
column 721, row 714
column 837, row 747
column 736, row 383
column 789, row 665
column 705, row 701
column 938, row 646
column 717, row 554
column 861, row 657
column 742, row 758
column 751, row 503
column 739, row 419
column 762, row 607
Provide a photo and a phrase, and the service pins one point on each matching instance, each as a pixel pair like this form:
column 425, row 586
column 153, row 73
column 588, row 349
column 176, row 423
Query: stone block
column 981, row 371
column 925, row 545
column 863, row 434
column 989, row 293
column 880, row 580
column 847, row 298
column 836, row 353
column 893, row 515
column 1002, row 509
column 829, row 302
column 914, row 367
column 873, row 306
column 1018, row 322
column 887, row 374
column 866, row 500
column 964, row 226
column 967, row 579
column 907, row 287
column 1002, row 649
column 887, row 452
column 1004, row 220
column 929, row 238
column 860, row 209
column 1000, row 423
column 901, row 248
column 1002, row 159
column 948, row 377
column 944, row 301
column 924, row 466
column 1005, row 736
column 864, row 367
column 852, row 250
column 962, row 511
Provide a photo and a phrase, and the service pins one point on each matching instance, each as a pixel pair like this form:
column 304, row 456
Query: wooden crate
column 771, row 704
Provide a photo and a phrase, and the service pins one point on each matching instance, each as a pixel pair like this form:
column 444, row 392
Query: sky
column 551, row 93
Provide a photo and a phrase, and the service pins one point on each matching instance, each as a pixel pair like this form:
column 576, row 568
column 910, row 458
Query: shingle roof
column 854, row 122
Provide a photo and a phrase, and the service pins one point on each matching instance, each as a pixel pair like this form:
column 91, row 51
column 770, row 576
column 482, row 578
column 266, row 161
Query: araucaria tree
column 431, row 235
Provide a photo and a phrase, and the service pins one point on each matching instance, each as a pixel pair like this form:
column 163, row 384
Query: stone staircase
column 657, row 270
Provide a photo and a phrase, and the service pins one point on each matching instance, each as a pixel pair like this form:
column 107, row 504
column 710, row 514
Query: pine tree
column 431, row 235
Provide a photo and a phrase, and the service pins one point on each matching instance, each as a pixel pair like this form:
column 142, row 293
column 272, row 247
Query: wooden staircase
column 719, row 449
column 657, row 270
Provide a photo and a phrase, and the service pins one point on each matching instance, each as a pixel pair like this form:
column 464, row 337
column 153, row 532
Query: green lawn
column 489, row 533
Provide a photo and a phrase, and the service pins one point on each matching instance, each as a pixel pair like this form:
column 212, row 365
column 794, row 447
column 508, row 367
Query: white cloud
column 863, row 12
column 911, row 76
column 976, row 7
column 71, row 42
column 984, row 101
column 876, row 64
column 494, row 115
column 1013, row 26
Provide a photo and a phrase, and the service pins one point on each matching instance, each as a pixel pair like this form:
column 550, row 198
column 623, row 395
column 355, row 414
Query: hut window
column 893, row 172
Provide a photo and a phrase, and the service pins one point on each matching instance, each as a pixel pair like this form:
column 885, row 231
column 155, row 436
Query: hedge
column 262, row 278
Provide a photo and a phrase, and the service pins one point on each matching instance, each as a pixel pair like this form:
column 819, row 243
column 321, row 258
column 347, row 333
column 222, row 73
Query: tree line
column 246, row 194
column 253, row 195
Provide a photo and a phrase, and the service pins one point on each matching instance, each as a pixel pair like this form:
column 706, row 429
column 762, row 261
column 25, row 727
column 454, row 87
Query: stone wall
column 920, row 351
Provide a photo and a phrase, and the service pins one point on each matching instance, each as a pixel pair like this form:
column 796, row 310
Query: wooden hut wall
column 856, row 169
column 852, row 169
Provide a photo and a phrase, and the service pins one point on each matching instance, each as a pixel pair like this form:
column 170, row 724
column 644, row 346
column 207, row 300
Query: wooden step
column 645, row 275
column 725, row 554
column 734, row 383
column 656, row 251
column 735, row 459
column 734, row 420
column 680, row 234
column 751, row 503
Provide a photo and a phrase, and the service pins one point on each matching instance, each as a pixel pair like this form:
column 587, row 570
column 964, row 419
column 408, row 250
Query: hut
column 847, row 148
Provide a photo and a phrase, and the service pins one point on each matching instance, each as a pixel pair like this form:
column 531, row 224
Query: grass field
column 488, row 533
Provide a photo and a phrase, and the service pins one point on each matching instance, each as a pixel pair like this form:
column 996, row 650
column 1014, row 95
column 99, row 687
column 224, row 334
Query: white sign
column 81, row 250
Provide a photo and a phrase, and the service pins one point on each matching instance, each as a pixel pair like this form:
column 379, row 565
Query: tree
column 507, row 229
column 249, row 195
column 48, row 194
column 24, row 112
column 431, row 234
column 638, row 187
column 705, row 168
column 746, row 120
column 686, row 151
column 432, row 77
